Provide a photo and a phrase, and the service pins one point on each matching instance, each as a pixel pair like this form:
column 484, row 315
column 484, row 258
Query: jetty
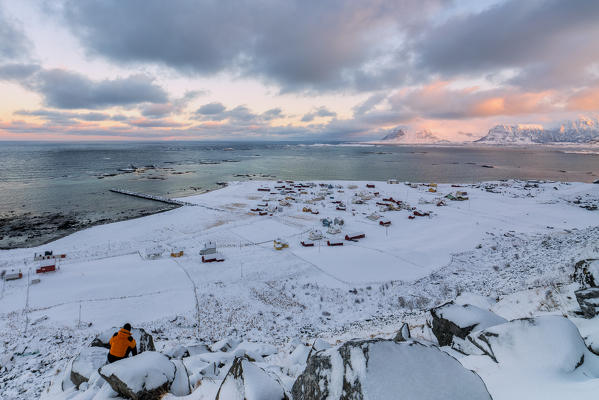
column 152, row 197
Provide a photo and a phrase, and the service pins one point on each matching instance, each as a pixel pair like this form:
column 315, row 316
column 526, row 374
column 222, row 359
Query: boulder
column 403, row 333
column 198, row 369
column 246, row 381
column 180, row 351
column 256, row 350
column 320, row 344
column 86, row 364
column 147, row 376
column 180, row 385
column 451, row 320
column 225, row 344
column 588, row 299
column 145, row 341
column 549, row 343
column 199, row 348
column 586, row 272
column 385, row 369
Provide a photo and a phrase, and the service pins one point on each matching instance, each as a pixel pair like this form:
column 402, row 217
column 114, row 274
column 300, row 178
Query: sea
column 48, row 190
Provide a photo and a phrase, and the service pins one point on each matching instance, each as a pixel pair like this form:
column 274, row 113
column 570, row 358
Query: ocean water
column 74, row 179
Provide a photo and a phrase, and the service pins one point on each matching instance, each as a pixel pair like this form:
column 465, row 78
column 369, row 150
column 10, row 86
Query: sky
column 318, row 70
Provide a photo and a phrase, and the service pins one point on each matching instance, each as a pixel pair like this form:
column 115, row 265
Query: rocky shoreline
column 31, row 230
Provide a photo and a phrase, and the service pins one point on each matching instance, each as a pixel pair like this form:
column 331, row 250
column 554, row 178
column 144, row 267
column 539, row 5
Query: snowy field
column 507, row 241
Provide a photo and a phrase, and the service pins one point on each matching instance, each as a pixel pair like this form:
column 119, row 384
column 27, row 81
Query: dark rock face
column 451, row 320
column 381, row 369
column 588, row 299
column 145, row 341
column 583, row 273
column 445, row 330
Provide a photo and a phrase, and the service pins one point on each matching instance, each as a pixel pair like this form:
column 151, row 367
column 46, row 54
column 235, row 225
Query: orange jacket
column 121, row 343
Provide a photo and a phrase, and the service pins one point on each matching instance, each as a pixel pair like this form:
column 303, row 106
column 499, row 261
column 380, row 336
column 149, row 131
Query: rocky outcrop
column 385, row 369
column 588, row 300
column 403, row 334
column 586, row 273
column 86, row 364
column 147, row 376
column 145, row 341
column 451, row 320
column 247, row 381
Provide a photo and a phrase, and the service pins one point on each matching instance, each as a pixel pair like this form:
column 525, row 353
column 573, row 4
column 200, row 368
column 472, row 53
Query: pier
column 152, row 197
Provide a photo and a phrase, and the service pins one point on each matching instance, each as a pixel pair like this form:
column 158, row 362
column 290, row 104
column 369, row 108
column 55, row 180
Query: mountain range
column 583, row 130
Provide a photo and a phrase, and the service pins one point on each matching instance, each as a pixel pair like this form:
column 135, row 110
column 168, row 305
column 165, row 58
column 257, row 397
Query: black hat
column 127, row 326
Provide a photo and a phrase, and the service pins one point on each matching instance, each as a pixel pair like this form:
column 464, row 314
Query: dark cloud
column 319, row 112
column 299, row 45
column 13, row 42
column 241, row 115
column 155, row 123
column 69, row 90
column 273, row 113
column 369, row 103
column 211, row 109
column 67, row 118
column 548, row 42
column 176, row 106
column 17, row 72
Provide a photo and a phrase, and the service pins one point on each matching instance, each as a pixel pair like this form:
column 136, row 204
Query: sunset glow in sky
column 292, row 70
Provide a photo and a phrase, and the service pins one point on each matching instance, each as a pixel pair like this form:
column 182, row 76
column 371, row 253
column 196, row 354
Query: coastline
column 38, row 230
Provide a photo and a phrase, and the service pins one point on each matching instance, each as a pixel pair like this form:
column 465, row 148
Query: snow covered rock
column 586, row 273
column 198, row 369
column 180, row 385
column 588, row 299
column 548, row 342
column 225, row 344
column 403, row 333
column 255, row 350
column 247, row 381
column 145, row 341
column 535, row 359
column 451, row 320
column 147, row 376
column 86, row 364
column 477, row 300
column 320, row 344
column 385, row 369
column 181, row 351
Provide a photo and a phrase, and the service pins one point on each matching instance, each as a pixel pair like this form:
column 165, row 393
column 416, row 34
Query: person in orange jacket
column 121, row 344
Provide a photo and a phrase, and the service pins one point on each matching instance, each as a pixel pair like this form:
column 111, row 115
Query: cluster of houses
column 45, row 262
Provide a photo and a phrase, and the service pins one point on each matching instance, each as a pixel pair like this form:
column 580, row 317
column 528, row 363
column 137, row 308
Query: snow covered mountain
column 400, row 136
column 583, row 130
column 513, row 134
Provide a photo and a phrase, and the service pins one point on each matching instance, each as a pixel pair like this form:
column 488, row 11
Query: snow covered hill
column 583, row 130
column 511, row 245
column 401, row 136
